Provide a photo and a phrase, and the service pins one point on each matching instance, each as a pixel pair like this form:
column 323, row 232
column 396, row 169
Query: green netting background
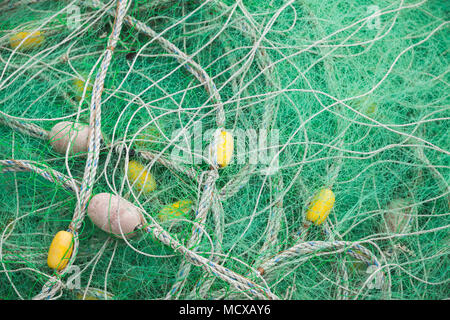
column 389, row 146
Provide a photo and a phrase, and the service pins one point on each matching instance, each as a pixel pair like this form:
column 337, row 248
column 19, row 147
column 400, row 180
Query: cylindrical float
column 221, row 148
column 30, row 40
column 140, row 179
column 60, row 250
column 320, row 207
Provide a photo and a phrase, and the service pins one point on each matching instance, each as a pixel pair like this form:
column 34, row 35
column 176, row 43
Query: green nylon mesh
column 388, row 147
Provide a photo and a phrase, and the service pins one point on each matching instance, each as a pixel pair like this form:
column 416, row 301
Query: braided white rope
column 26, row 128
column 94, row 140
column 201, row 215
column 95, row 119
column 271, row 243
column 213, row 210
column 211, row 88
column 190, row 172
column 203, row 208
column 9, row 4
column 237, row 182
column 238, row 281
column 194, row 68
column 218, row 215
column 54, row 284
column 46, row 172
column 303, row 248
column 353, row 249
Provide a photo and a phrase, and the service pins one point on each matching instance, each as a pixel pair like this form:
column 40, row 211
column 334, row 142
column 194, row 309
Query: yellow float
column 33, row 40
column 79, row 85
column 320, row 207
column 224, row 145
column 141, row 179
column 60, row 250
column 175, row 210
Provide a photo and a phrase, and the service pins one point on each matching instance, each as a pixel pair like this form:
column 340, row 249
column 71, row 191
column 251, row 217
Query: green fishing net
column 356, row 94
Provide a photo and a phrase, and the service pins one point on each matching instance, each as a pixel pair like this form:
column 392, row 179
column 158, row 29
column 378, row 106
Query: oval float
column 175, row 210
column 61, row 134
column 224, row 145
column 140, row 179
column 320, row 207
column 60, row 250
column 34, row 40
column 79, row 87
column 115, row 215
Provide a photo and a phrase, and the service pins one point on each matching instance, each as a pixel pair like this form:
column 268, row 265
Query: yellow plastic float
column 60, row 250
column 320, row 207
column 175, row 210
column 34, row 40
column 79, row 85
column 224, row 148
column 141, row 179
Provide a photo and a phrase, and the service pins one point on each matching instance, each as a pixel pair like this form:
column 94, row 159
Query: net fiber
column 357, row 93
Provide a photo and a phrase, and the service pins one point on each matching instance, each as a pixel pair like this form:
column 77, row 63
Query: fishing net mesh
column 356, row 91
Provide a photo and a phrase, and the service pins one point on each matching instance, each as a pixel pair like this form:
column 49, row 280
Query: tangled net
column 357, row 93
